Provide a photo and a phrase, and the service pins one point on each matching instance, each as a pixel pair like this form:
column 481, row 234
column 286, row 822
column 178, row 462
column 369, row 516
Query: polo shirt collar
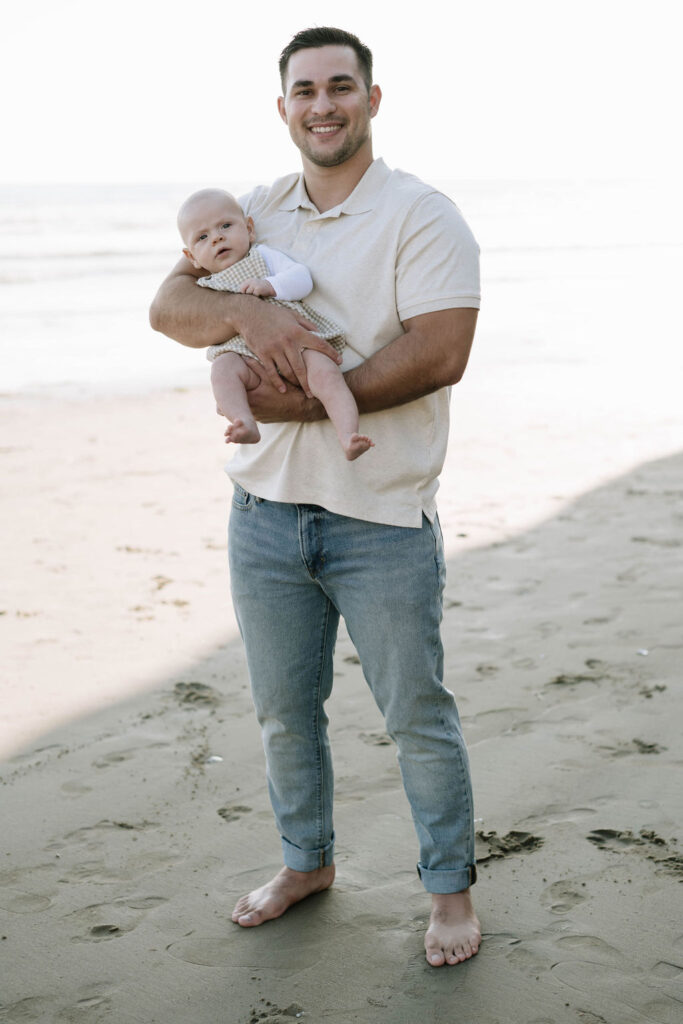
column 361, row 200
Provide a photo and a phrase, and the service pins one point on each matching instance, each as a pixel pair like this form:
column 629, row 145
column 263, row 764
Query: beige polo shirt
column 394, row 249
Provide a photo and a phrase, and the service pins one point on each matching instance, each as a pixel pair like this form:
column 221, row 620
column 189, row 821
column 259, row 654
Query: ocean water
column 79, row 265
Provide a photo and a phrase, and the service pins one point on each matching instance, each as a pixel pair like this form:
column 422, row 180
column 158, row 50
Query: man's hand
column 269, row 405
column 431, row 354
column 279, row 337
column 258, row 286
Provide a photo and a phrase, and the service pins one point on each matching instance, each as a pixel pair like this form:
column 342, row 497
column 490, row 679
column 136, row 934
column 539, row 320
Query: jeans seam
column 320, row 779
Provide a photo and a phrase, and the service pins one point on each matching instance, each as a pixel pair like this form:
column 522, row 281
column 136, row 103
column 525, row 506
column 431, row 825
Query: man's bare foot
column 278, row 895
column 240, row 432
column 454, row 932
column 356, row 445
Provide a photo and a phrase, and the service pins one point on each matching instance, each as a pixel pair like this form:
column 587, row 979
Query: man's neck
column 327, row 187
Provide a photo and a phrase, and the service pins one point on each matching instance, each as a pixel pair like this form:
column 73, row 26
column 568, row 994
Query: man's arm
column 195, row 317
column 431, row 354
column 199, row 317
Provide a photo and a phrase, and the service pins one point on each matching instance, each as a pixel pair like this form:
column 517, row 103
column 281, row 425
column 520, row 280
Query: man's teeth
column 324, row 129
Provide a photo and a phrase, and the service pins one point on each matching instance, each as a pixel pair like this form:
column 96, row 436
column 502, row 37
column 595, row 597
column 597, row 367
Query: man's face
column 327, row 106
column 216, row 233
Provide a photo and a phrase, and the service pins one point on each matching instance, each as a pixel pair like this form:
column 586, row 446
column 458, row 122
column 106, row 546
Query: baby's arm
column 290, row 280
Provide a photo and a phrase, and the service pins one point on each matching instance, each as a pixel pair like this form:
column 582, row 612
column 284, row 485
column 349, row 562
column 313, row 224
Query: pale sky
column 162, row 90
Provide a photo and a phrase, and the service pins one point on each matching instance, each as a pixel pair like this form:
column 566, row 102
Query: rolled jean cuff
column 307, row 860
column 442, row 882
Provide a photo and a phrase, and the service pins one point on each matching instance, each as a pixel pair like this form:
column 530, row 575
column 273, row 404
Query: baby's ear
column 188, row 256
column 250, row 229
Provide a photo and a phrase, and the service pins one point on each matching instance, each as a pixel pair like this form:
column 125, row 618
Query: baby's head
column 214, row 229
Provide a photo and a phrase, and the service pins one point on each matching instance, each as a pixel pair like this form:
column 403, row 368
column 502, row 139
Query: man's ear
column 188, row 256
column 375, row 99
column 281, row 108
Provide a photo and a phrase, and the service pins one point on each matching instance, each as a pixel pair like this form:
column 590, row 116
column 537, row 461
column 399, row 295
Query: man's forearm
column 196, row 317
column 432, row 354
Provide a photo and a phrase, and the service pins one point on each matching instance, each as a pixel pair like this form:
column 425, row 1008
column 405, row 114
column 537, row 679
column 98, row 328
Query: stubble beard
column 348, row 148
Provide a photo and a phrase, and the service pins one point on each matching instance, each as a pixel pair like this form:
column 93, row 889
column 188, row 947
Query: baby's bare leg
column 327, row 383
column 231, row 378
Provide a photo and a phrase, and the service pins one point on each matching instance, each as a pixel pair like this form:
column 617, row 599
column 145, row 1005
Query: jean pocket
column 242, row 500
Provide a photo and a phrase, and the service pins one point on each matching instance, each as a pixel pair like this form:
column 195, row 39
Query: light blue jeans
column 294, row 570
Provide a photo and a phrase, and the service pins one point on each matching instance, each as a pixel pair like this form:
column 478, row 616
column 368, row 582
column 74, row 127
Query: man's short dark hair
column 314, row 38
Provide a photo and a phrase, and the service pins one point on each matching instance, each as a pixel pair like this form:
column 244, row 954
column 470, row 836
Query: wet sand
column 134, row 806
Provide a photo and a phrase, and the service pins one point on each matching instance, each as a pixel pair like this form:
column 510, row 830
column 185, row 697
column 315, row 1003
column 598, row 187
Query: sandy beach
column 134, row 809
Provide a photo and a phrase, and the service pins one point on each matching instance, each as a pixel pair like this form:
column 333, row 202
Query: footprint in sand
column 16, row 901
column 635, row 746
column 487, row 670
column 101, row 922
column 527, row 961
column 665, row 969
column 115, row 757
column 375, row 739
column 572, row 679
column 135, row 867
column 493, row 723
column 647, row 843
column 553, row 814
column 590, row 948
column 562, row 896
column 94, row 998
column 92, row 836
column 234, row 812
column 269, row 1013
column 75, row 788
column 195, row 694
column 611, row 991
column 491, row 846
column 40, row 1009
column 33, row 1008
column 285, row 957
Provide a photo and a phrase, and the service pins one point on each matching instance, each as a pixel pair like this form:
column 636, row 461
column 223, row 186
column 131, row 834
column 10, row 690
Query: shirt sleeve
column 290, row 280
column 437, row 263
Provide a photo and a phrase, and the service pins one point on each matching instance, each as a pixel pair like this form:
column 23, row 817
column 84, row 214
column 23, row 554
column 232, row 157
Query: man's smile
column 325, row 129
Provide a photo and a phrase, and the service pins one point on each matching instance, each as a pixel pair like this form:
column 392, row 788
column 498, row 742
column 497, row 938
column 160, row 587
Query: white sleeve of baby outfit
column 290, row 280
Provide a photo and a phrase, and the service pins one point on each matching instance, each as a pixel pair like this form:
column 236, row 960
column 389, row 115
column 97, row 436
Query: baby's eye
column 225, row 226
column 202, row 237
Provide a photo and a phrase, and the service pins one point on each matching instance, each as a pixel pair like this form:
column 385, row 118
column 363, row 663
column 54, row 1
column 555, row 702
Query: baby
column 218, row 238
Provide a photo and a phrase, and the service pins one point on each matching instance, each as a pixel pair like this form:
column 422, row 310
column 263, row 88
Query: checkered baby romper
column 254, row 265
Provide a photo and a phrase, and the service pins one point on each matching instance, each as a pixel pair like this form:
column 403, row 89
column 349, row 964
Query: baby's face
column 216, row 233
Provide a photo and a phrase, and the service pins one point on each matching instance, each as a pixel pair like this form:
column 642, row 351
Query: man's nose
column 322, row 103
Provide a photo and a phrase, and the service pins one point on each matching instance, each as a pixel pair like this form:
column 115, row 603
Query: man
column 313, row 537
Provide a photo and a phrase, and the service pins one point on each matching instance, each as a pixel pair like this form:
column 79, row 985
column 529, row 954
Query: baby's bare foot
column 239, row 432
column 278, row 895
column 356, row 445
column 454, row 932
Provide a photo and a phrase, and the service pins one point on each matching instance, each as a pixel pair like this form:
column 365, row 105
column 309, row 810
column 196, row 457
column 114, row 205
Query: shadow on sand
column 129, row 834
